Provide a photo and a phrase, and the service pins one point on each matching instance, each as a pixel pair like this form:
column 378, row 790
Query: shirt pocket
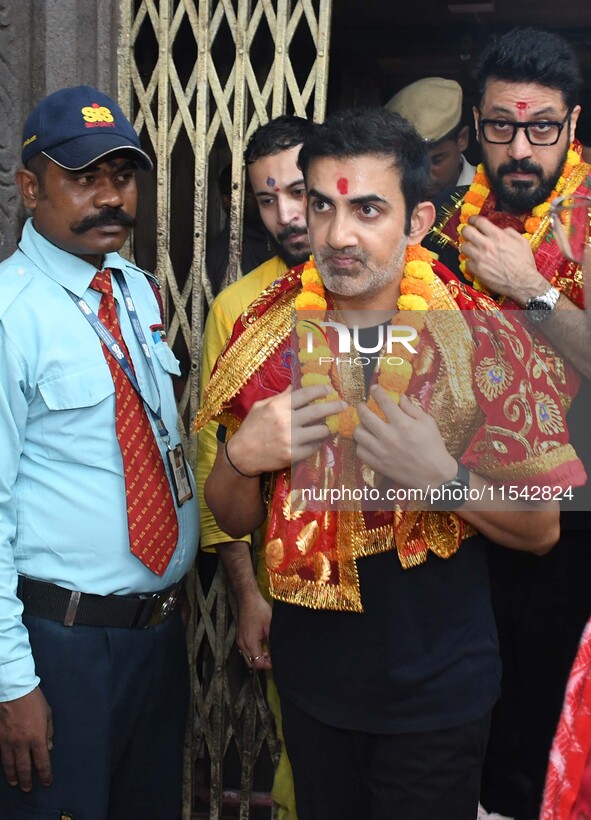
column 166, row 361
column 78, row 416
column 166, row 358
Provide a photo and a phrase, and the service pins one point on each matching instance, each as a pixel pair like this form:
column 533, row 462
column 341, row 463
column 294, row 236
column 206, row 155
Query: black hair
column 529, row 55
column 376, row 132
column 37, row 164
column 277, row 135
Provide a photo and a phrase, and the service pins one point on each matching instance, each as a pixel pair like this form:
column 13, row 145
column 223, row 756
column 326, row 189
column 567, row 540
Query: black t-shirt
column 422, row 656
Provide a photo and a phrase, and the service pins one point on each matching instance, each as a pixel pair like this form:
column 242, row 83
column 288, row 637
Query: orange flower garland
column 415, row 295
column 478, row 193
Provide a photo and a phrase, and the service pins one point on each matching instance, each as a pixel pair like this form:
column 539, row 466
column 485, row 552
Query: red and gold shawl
column 497, row 404
column 567, row 795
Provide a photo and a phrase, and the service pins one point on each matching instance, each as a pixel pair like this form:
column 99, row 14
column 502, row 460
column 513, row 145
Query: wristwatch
column 539, row 308
column 452, row 494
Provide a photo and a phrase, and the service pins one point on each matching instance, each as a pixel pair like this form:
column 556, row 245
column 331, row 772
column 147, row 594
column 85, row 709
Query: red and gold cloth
column 567, row 795
column 499, row 408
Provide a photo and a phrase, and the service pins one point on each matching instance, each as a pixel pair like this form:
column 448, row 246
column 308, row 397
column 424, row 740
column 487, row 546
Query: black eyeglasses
column 502, row 132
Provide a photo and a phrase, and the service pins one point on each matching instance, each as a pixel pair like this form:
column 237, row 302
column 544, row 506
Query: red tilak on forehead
column 343, row 185
column 276, row 190
column 521, row 105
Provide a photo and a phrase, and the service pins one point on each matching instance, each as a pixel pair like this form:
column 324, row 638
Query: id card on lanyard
column 175, row 455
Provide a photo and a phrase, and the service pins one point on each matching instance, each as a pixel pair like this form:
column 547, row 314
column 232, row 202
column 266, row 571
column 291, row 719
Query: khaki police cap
column 433, row 105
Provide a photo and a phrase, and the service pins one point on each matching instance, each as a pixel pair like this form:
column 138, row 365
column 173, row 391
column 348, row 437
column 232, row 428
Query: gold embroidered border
column 229, row 421
column 250, row 315
column 354, row 541
column 248, row 353
column 293, row 589
column 316, row 595
column 533, row 466
column 454, row 386
column 437, row 230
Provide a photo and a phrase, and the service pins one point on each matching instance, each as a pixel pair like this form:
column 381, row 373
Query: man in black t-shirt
column 382, row 638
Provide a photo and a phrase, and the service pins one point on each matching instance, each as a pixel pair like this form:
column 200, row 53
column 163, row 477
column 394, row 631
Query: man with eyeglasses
column 525, row 123
column 538, row 132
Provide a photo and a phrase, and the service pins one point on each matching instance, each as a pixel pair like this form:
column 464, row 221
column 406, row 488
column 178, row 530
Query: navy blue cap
column 75, row 127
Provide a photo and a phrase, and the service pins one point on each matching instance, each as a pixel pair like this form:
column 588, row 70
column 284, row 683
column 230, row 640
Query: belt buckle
column 164, row 607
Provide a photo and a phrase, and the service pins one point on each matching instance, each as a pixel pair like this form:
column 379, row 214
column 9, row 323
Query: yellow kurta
column 224, row 312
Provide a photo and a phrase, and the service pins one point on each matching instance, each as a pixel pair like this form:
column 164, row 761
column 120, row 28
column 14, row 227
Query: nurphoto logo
column 348, row 341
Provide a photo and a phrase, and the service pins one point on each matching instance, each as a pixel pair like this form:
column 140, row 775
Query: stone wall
column 46, row 45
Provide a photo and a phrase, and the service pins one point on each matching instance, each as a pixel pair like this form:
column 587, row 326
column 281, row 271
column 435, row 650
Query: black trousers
column 119, row 699
column 350, row 775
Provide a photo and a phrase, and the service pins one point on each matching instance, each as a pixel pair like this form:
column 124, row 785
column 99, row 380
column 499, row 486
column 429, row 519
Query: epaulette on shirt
column 151, row 277
column 154, row 284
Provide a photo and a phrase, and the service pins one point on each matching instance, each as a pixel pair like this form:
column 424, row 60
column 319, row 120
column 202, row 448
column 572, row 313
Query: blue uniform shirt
column 63, row 514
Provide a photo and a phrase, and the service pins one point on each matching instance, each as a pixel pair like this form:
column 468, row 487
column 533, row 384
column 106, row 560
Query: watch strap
column 453, row 493
column 550, row 297
column 463, row 474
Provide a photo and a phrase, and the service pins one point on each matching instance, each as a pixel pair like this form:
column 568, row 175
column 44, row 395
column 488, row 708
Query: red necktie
column 151, row 516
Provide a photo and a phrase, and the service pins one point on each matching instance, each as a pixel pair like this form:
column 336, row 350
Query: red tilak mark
column 343, row 185
column 276, row 190
column 521, row 105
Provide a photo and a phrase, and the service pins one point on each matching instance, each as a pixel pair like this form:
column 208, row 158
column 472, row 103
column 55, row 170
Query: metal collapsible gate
column 197, row 78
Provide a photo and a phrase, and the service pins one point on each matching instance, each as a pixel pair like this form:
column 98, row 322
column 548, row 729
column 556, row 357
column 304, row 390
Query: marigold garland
column 415, row 295
column 479, row 192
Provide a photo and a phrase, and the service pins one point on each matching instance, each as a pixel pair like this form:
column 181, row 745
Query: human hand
column 502, row 260
column 26, row 739
column 407, row 448
column 252, row 631
column 282, row 429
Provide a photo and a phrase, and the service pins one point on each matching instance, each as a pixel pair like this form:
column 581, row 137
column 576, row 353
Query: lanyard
column 115, row 350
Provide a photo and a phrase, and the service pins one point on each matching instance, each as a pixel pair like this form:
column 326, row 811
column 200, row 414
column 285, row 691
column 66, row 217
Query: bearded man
column 525, row 122
column 382, row 636
column 529, row 83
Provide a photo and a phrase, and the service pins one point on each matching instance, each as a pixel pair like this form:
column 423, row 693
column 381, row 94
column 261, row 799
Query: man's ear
column 574, row 116
column 463, row 139
column 421, row 220
column 28, row 185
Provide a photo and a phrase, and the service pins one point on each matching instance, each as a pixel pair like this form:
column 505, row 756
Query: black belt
column 47, row 600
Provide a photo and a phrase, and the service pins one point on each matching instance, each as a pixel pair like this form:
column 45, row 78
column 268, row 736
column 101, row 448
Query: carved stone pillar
column 46, row 45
